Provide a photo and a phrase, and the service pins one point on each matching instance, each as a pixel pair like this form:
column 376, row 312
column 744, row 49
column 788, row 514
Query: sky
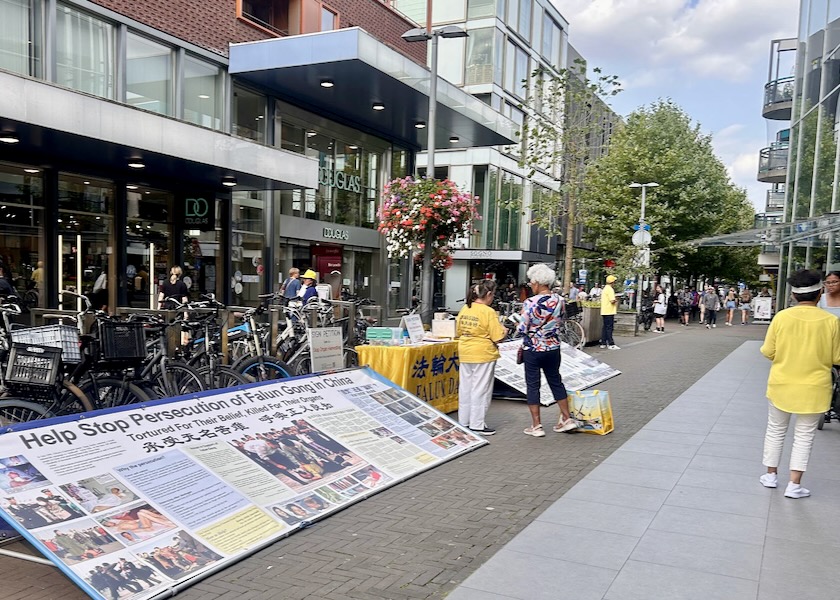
column 710, row 57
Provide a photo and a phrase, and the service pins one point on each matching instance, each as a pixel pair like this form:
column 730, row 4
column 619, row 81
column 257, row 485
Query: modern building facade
column 508, row 41
column 810, row 232
column 237, row 138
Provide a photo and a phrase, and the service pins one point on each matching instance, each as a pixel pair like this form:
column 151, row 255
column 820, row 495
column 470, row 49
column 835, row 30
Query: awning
column 59, row 127
column 364, row 71
column 812, row 231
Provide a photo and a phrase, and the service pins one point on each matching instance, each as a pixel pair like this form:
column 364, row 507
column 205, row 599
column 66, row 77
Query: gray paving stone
column 648, row 581
column 785, row 565
column 465, row 593
column 729, row 451
column 641, row 460
column 721, row 464
column 618, row 494
column 750, row 505
column 598, row 516
column 745, row 440
column 530, row 577
column 670, row 437
column 745, row 484
column 704, row 523
column 709, row 555
column 676, row 425
column 665, row 449
column 662, row 480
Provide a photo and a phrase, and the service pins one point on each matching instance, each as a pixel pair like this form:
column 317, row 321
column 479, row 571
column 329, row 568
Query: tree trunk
column 569, row 250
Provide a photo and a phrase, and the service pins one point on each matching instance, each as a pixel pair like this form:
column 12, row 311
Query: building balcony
column 772, row 164
column 775, row 201
column 778, row 99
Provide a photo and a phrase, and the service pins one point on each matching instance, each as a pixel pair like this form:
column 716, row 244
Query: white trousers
column 475, row 390
column 803, row 438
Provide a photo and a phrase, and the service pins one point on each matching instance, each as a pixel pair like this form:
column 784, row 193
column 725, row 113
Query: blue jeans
column 607, row 334
column 548, row 363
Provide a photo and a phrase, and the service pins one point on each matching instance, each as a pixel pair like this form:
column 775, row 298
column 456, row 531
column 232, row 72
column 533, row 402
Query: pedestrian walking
column 291, row 286
column 744, row 305
column 479, row 331
column 730, row 304
column 830, row 299
column 710, row 305
column 701, row 305
column 609, row 308
column 803, row 342
column 684, row 305
column 542, row 316
column 660, row 308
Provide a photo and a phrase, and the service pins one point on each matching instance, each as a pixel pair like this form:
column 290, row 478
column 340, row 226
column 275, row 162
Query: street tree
column 567, row 126
column 695, row 197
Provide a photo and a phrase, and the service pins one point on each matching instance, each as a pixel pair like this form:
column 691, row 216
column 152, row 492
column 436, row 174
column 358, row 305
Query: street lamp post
column 428, row 34
column 641, row 239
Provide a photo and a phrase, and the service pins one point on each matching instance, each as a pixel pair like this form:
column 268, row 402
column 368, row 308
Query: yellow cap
column 610, row 278
column 310, row 274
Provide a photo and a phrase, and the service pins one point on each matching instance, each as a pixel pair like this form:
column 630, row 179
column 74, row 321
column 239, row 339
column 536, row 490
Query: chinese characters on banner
column 146, row 498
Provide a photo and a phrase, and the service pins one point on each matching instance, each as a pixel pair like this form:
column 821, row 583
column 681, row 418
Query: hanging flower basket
column 413, row 207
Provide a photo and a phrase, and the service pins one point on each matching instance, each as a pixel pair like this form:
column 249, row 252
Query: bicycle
column 833, row 412
column 573, row 332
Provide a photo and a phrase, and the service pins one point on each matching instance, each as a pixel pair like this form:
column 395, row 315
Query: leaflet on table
column 129, row 503
column 578, row 369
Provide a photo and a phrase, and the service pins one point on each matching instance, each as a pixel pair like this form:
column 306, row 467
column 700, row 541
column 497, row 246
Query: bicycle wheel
column 108, row 392
column 302, row 365
column 351, row 358
column 71, row 400
column 573, row 334
column 264, row 368
column 177, row 379
column 221, row 377
column 18, row 410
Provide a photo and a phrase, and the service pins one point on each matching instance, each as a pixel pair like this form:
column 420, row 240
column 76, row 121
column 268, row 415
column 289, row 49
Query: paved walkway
column 677, row 512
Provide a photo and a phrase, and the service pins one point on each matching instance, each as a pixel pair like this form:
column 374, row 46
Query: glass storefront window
column 20, row 41
column 85, row 230
column 22, row 234
column 248, row 240
column 203, row 93
column 148, row 243
column 148, row 73
column 249, row 115
column 84, row 52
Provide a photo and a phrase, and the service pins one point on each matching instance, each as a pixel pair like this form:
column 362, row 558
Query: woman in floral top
column 542, row 316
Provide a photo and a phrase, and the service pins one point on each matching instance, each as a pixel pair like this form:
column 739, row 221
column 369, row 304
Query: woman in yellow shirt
column 478, row 331
column 803, row 342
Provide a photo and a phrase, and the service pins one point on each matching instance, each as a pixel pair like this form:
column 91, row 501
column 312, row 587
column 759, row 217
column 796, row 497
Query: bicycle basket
column 572, row 309
column 33, row 370
column 121, row 342
column 64, row 337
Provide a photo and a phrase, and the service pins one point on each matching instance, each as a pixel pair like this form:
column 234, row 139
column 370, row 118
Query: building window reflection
column 22, row 234
column 85, row 52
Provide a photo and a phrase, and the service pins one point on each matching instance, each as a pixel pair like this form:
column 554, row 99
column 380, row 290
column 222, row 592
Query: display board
column 326, row 348
column 148, row 498
column 762, row 308
column 578, row 369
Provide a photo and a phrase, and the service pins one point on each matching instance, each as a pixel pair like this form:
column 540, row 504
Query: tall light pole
column 641, row 239
column 427, row 34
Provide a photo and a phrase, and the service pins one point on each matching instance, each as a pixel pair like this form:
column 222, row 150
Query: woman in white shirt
column 660, row 308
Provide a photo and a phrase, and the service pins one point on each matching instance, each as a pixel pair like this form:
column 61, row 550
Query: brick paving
column 423, row 537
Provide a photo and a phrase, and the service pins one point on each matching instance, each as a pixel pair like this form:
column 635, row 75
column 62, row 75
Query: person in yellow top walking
column 609, row 306
column 803, row 342
column 479, row 331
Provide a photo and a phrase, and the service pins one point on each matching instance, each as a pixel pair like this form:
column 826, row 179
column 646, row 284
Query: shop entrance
column 148, row 244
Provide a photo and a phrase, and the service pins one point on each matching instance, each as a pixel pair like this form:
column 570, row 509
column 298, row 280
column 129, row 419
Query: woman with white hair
column 542, row 316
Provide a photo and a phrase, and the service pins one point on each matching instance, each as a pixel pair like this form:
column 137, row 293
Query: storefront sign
column 177, row 490
column 200, row 213
column 339, row 180
column 334, row 233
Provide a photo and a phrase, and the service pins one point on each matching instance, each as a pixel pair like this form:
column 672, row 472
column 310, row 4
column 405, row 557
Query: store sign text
column 200, row 213
column 336, row 234
column 339, row 180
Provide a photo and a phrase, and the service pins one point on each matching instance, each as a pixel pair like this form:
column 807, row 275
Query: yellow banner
column 429, row 371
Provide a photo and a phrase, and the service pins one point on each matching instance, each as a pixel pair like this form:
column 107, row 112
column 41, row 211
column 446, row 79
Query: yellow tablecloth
column 429, row 371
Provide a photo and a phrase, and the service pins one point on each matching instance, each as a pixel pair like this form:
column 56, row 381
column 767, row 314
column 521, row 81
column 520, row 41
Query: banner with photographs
column 132, row 502
column 579, row 370
column 762, row 308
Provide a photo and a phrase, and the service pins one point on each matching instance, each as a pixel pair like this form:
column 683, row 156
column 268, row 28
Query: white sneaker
column 708, row 326
column 714, row 325
column 794, row 490
column 614, row 347
column 769, row 480
column 729, row 324
column 603, row 345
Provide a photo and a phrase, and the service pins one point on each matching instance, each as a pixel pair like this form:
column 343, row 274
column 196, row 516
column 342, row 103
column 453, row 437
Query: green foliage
column 695, row 197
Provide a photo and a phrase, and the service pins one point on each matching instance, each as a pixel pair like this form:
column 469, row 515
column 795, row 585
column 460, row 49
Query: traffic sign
column 641, row 238
column 637, row 227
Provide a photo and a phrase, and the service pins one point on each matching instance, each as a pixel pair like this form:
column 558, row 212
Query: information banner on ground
column 132, row 502
column 579, row 370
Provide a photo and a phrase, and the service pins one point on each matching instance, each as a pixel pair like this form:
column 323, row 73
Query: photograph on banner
column 130, row 502
column 578, row 369
column 40, row 508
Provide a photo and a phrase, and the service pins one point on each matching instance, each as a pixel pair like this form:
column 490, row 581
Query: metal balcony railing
column 775, row 201
column 778, row 99
column 772, row 163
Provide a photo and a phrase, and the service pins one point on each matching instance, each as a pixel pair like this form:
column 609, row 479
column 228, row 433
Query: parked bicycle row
column 65, row 367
